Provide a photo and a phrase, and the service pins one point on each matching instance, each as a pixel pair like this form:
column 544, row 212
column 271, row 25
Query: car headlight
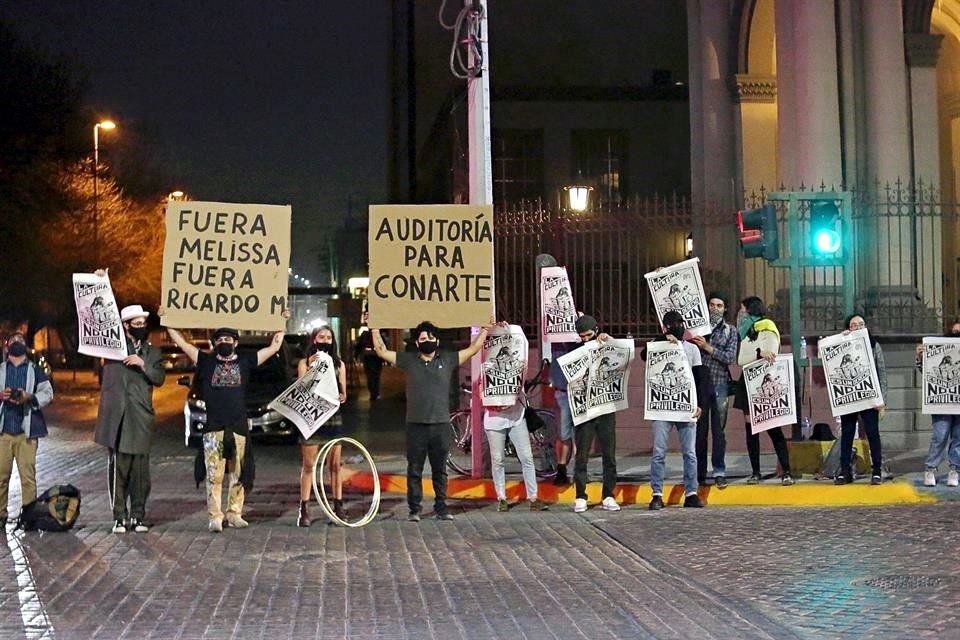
column 197, row 404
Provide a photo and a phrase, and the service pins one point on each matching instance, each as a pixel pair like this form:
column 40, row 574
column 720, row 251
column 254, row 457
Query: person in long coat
column 125, row 421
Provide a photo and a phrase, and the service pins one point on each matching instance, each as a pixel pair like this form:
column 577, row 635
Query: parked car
column 174, row 360
column 266, row 383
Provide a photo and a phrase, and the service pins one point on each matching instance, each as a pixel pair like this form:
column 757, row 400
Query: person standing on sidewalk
column 429, row 374
column 604, row 428
column 372, row 364
column 945, row 438
column 224, row 375
column 559, row 384
column 322, row 339
column 719, row 350
column 125, row 421
column 673, row 330
column 869, row 418
column 24, row 390
column 759, row 338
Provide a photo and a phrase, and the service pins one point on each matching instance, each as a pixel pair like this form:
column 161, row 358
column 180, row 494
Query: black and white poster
column 598, row 377
column 313, row 399
column 98, row 318
column 852, row 381
column 504, row 363
column 679, row 288
column 558, row 313
column 941, row 376
column 671, row 393
column 770, row 393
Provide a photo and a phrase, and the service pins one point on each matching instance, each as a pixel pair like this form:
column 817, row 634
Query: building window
column 517, row 165
column 600, row 158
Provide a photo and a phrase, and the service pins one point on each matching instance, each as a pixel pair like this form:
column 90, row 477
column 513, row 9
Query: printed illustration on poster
column 558, row 313
column 852, row 381
column 770, row 393
column 313, row 399
column 598, row 378
column 504, row 359
column 98, row 318
column 679, row 288
column 941, row 376
column 669, row 390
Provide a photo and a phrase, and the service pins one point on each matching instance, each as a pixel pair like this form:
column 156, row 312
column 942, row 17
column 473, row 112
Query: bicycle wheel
column 459, row 459
column 543, row 444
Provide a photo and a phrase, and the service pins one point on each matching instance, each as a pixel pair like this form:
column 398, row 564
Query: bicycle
column 542, row 441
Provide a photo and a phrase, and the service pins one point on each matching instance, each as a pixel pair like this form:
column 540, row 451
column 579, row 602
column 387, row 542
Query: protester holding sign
column 125, row 420
column 322, row 340
column 429, row 373
column 224, row 375
column 559, row 384
column 759, row 338
column 939, row 362
column 673, row 330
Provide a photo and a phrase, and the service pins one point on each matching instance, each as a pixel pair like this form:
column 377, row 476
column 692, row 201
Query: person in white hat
column 125, row 421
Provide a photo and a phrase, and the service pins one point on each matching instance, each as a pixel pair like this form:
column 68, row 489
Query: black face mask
column 321, row 347
column 139, row 333
column 224, row 349
column 17, row 349
column 677, row 332
column 426, row 348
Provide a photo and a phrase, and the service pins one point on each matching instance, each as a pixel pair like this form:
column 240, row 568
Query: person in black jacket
column 673, row 331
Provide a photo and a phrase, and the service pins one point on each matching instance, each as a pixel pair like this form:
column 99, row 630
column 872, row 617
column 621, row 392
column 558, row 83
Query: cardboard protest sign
column 504, row 363
column 678, row 288
column 98, row 318
column 558, row 314
column 941, row 376
column 671, row 392
column 313, row 399
column 225, row 264
column 431, row 262
column 598, row 376
column 770, row 392
column 852, row 381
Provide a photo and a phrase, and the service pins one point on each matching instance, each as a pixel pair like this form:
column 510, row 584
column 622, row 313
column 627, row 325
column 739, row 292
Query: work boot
column 303, row 516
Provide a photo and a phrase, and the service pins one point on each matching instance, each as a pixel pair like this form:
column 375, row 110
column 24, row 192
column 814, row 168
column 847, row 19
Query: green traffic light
column 827, row 241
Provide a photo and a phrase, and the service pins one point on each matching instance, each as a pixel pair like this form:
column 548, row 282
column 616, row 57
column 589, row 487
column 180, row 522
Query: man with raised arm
column 224, row 374
column 429, row 373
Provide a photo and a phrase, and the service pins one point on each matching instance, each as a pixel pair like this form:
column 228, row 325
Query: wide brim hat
column 133, row 311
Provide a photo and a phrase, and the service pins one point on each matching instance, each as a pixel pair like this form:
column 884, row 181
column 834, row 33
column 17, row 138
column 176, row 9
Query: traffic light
column 825, row 228
column 758, row 233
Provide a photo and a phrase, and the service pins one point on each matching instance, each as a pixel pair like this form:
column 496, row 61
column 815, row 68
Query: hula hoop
column 321, row 493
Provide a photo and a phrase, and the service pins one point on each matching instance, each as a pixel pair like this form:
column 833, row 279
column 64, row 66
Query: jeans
column 605, row 429
column 687, row 432
column 714, row 421
column 427, row 441
column 520, row 438
column 871, row 424
column 945, row 428
column 566, row 418
column 779, row 445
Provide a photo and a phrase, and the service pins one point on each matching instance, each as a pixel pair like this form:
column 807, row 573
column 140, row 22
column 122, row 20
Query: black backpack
column 57, row 509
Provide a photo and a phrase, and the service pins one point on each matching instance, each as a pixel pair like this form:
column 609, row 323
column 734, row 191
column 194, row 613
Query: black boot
column 338, row 509
column 303, row 516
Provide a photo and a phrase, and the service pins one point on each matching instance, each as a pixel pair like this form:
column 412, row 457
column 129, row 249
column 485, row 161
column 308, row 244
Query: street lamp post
column 106, row 125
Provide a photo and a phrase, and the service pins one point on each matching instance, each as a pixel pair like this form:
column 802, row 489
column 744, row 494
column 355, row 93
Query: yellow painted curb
column 772, row 493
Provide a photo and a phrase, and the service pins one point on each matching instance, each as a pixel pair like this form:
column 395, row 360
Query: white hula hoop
column 321, row 493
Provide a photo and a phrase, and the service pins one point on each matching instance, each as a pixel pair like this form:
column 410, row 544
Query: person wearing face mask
column 25, row 389
column 673, row 331
column 125, row 421
column 322, row 340
column 945, row 437
column 759, row 338
column 718, row 351
column 224, row 374
column 429, row 374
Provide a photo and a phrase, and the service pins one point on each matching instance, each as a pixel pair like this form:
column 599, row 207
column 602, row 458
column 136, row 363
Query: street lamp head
column 176, row 195
column 107, row 124
column 578, row 197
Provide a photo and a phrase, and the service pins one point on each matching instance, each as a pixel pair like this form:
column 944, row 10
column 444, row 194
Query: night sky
column 280, row 102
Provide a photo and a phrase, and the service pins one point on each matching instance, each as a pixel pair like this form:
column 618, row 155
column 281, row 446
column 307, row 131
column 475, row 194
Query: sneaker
column 787, row 480
column 561, row 478
column 502, row 506
column 539, row 505
column 755, row 478
column 876, row 479
column 929, row 478
column 235, row 521
column 444, row 516
column 579, row 505
column 215, row 526
column 413, row 517
column 842, row 479
column 136, row 524
column 609, row 504
column 694, row 501
column 953, row 478
column 720, row 481
column 657, row 503
column 119, row 527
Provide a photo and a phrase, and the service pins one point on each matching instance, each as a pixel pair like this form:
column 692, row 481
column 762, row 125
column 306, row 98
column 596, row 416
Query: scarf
column 753, row 325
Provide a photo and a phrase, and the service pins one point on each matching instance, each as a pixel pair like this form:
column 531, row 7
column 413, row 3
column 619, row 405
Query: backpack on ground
column 57, row 509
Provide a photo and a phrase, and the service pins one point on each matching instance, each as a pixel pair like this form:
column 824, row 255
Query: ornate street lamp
column 578, row 197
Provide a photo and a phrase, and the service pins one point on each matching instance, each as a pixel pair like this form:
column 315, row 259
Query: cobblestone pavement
column 705, row 573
